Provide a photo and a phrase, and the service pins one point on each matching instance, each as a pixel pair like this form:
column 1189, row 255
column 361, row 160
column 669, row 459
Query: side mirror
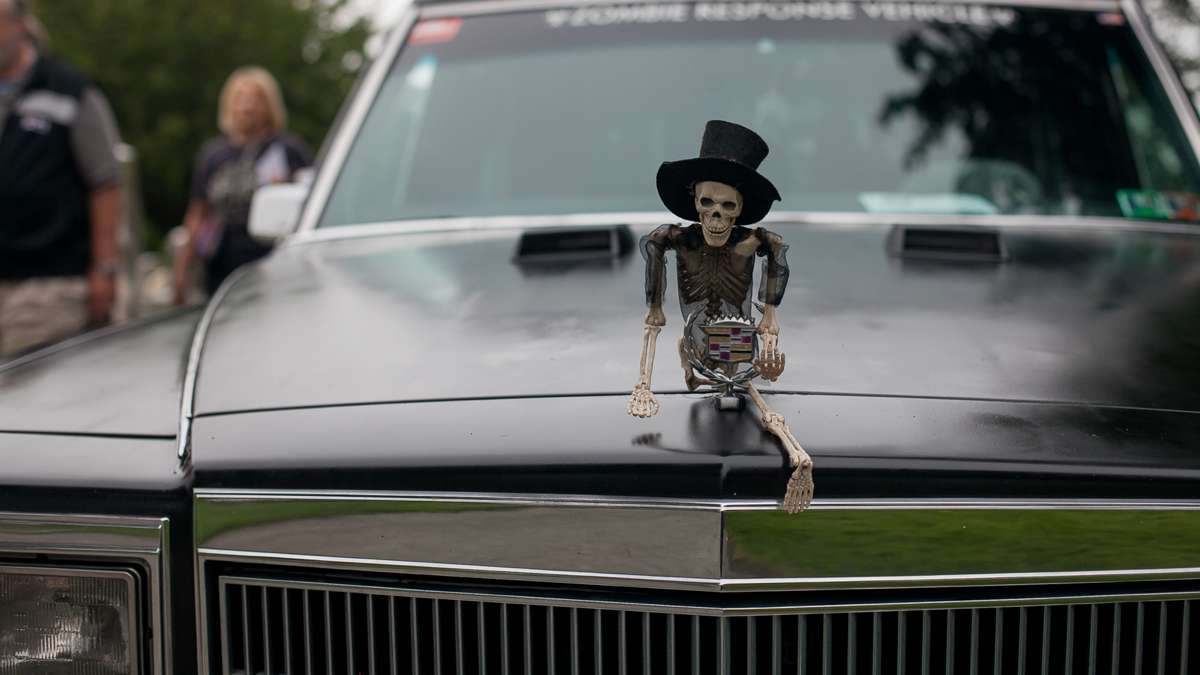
column 275, row 210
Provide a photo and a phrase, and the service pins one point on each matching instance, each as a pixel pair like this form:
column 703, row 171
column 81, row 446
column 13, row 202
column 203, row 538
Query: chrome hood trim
column 705, row 545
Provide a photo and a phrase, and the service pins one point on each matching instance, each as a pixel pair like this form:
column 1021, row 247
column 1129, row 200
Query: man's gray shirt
column 94, row 135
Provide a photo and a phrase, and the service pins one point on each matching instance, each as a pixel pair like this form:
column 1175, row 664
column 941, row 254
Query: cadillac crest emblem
column 730, row 340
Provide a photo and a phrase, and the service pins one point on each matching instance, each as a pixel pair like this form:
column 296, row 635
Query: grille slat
column 574, row 641
column 550, row 640
column 776, row 646
column 1093, row 633
column 458, row 638
column 851, row 644
column 481, row 629
column 504, row 659
column 876, row 644
column 1046, row 641
column 1162, row 638
column 672, row 649
column 391, row 622
column 273, row 627
column 622, row 655
column 371, row 666
column 1141, row 623
column 246, row 626
column 598, row 645
column 974, row 643
column 328, row 606
column 1116, row 640
column 1069, row 660
column 998, row 651
column 308, row 648
column 801, row 644
column 1185, row 638
column 950, row 643
column 528, row 635
column 827, row 646
column 349, row 636
column 646, row 644
column 751, row 652
column 266, row 630
column 925, row 630
column 1022, row 639
column 287, row 632
column 414, row 636
column 436, row 647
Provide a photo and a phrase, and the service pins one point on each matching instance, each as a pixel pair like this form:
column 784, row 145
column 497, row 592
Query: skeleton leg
column 642, row 402
column 690, row 378
column 800, row 486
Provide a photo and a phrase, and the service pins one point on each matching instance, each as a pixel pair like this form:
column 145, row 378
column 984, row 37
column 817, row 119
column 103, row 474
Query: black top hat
column 730, row 153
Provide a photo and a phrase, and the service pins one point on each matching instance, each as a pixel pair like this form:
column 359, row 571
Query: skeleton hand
column 770, row 360
column 642, row 402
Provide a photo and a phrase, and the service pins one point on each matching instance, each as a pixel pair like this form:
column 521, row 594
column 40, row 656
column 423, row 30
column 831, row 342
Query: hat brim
column 675, row 181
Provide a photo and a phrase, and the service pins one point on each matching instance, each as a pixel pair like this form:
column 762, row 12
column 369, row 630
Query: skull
column 719, row 206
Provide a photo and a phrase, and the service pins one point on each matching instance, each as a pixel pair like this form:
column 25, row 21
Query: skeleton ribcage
column 712, row 276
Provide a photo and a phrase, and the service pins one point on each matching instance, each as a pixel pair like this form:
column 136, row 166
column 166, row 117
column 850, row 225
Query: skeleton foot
column 800, row 486
column 642, row 402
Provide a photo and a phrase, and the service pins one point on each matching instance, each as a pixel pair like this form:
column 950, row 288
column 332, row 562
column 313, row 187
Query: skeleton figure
column 715, row 272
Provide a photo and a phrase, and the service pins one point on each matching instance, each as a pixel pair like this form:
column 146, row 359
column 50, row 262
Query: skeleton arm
column 771, row 361
column 655, row 320
column 642, row 402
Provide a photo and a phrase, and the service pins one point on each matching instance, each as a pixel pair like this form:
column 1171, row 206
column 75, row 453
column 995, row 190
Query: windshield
column 884, row 107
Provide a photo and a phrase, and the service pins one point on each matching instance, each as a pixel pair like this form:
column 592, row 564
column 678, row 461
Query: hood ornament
column 723, row 349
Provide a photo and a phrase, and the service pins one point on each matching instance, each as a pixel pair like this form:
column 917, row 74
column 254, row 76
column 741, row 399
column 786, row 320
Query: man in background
column 59, row 192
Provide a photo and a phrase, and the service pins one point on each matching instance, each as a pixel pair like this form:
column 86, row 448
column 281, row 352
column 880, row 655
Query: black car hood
column 863, row 446
column 1103, row 318
column 118, row 382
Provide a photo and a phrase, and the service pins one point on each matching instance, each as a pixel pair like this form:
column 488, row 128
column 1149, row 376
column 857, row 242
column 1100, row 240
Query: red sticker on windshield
column 434, row 31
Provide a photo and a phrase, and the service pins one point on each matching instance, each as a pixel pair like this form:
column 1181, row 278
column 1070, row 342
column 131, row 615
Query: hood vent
column 571, row 245
column 969, row 244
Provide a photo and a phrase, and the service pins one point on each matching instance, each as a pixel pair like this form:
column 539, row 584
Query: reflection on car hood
column 1106, row 318
column 121, row 381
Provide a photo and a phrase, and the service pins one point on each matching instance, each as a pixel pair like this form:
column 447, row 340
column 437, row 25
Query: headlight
column 66, row 621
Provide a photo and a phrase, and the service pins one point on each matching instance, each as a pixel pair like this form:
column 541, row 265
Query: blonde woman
column 254, row 149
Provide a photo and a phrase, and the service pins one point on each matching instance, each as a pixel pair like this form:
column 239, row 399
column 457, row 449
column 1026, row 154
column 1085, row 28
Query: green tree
column 162, row 64
column 1177, row 24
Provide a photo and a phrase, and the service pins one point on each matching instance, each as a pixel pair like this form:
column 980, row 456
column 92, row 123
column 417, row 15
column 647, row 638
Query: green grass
column 901, row 542
column 215, row 517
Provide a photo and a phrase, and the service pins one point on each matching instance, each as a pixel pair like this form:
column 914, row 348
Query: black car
column 399, row 444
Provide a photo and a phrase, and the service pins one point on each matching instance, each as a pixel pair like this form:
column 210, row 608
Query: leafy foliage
column 162, row 64
column 1177, row 23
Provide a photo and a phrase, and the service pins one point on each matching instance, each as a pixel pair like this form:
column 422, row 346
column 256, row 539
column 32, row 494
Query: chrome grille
column 284, row 627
